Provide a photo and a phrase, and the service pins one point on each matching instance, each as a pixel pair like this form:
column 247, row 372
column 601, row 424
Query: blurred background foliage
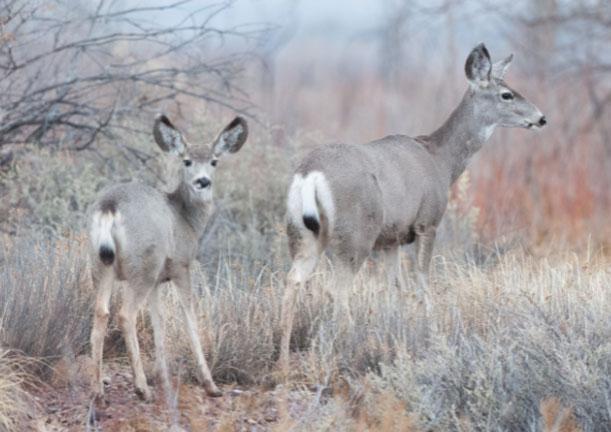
column 76, row 110
column 520, row 281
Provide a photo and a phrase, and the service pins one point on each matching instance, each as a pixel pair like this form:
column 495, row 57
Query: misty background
column 517, row 333
column 87, row 77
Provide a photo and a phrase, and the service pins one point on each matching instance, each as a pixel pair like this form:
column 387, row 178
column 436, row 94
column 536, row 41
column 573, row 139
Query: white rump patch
column 293, row 204
column 101, row 230
column 308, row 196
column 324, row 195
column 105, row 229
column 304, row 196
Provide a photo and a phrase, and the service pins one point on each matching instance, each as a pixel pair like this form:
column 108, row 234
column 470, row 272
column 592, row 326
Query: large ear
column 232, row 138
column 499, row 69
column 478, row 66
column 167, row 137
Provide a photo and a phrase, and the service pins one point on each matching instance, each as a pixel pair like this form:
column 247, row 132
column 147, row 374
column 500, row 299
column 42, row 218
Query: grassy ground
column 516, row 338
column 502, row 341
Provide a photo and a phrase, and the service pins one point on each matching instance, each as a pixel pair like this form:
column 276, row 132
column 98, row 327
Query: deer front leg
column 102, row 281
column 187, row 303
column 425, row 240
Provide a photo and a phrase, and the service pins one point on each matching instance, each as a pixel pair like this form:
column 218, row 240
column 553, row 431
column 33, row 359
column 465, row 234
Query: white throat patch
column 486, row 132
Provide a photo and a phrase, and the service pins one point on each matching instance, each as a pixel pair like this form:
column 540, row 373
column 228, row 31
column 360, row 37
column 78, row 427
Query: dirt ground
column 66, row 405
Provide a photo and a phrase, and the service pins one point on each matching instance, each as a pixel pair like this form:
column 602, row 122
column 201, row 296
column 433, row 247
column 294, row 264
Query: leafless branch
column 80, row 68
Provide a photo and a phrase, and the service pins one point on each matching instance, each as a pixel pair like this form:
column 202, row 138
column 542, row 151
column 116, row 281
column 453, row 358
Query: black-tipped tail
column 311, row 223
column 107, row 255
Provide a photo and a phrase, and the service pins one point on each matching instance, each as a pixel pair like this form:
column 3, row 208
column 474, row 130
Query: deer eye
column 187, row 162
column 213, row 162
column 507, row 95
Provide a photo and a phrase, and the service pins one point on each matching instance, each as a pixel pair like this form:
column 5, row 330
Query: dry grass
column 498, row 339
column 557, row 418
column 512, row 322
column 46, row 298
column 507, row 328
column 382, row 411
column 15, row 403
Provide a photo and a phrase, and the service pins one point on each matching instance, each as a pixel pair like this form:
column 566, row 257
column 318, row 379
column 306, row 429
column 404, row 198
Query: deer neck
column 460, row 137
column 191, row 209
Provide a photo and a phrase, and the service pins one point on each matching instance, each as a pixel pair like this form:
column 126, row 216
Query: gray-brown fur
column 145, row 237
column 381, row 191
column 393, row 191
column 387, row 190
column 161, row 227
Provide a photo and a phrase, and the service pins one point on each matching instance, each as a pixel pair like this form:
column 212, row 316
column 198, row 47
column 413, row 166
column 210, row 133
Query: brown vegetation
column 518, row 333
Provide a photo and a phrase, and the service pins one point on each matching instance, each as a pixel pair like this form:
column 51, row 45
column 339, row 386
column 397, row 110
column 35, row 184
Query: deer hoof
column 99, row 399
column 214, row 393
column 144, row 393
column 212, row 390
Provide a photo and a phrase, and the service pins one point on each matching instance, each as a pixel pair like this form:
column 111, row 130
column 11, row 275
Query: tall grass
column 46, row 299
column 15, row 403
column 498, row 341
column 507, row 330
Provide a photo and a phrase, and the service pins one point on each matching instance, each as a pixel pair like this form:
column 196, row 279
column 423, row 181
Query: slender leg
column 158, row 322
column 425, row 239
column 344, row 279
column 187, row 302
column 303, row 266
column 103, row 281
column 392, row 261
column 132, row 302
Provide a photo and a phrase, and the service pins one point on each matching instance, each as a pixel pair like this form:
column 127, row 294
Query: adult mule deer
column 145, row 237
column 352, row 199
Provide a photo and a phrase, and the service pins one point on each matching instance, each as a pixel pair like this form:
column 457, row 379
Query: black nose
column 542, row 121
column 203, row 182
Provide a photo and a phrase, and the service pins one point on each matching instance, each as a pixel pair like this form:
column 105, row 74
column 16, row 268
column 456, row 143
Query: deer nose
column 542, row 121
column 203, row 182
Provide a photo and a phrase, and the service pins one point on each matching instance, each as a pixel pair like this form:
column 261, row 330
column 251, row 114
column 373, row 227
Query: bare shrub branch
column 71, row 72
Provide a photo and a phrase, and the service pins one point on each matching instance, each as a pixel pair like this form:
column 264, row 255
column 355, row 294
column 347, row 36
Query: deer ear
column 232, row 138
column 499, row 69
column 167, row 137
column 478, row 66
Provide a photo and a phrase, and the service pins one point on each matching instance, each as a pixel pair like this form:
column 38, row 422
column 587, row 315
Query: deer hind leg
column 306, row 251
column 187, row 303
column 158, row 323
column 392, row 264
column 103, row 282
column 133, row 300
column 347, row 258
column 344, row 274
